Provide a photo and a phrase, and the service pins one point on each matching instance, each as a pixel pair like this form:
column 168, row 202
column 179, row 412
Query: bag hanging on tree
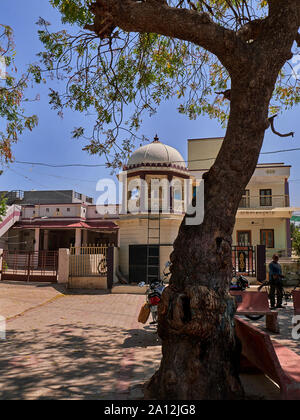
column 144, row 313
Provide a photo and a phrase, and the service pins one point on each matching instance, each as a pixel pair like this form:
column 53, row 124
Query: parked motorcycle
column 240, row 283
column 153, row 298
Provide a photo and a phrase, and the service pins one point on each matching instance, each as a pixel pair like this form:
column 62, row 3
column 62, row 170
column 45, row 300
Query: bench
column 296, row 300
column 256, row 303
column 281, row 364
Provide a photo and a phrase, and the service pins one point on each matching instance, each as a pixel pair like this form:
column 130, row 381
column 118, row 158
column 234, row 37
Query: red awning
column 61, row 224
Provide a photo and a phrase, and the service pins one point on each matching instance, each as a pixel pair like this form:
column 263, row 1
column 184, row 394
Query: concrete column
column 46, row 240
column 84, row 237
column 37, row 239
column 63, row 265
column 123, row 180
column 143, row 195
column 171, row 194
column 77, row 240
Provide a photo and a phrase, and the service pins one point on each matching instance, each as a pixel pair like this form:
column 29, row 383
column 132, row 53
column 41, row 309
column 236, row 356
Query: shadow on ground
column 285, row 318
column 75, row 362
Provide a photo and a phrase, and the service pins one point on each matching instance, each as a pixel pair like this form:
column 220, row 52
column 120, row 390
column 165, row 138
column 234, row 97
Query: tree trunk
column 196, row 316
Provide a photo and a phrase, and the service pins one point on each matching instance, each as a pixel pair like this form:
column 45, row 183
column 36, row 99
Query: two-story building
column 264, row 213
column 49, row 220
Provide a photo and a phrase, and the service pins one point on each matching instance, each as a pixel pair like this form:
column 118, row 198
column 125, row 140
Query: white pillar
column 144, row 195
column 77, row 240
column 63, row 265
column 123, row 182
column 37, row 239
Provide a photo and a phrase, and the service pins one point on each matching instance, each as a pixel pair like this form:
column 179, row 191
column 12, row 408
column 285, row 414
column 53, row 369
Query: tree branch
column 271, row 120
column 157, row 17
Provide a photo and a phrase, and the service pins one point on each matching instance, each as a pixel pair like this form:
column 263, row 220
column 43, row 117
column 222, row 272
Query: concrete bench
column 281, row 364
column 256, row 303
column 296, row 300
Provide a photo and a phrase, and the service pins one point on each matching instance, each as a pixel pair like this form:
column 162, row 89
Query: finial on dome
column 156, row 139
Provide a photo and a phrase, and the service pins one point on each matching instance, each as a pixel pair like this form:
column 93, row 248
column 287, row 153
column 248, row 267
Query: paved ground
column 17, row 298
column 81, row 346
column 286, row 325
column 77, row 346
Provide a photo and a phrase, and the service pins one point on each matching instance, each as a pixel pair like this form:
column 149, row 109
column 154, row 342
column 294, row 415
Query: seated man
column 275, row 281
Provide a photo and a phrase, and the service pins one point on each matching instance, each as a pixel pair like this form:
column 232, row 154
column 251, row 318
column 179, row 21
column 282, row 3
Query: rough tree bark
column 200, row 351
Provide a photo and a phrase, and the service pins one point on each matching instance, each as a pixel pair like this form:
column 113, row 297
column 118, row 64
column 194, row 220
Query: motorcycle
column 240, row 284
column 153, row 298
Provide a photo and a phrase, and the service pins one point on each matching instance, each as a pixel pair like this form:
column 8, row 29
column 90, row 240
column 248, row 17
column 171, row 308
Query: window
column 244, row 237
column 265, row 197
column 47, row 210
column 68, row 209
column 267, row 238
column 245, row 201
column 77, row 195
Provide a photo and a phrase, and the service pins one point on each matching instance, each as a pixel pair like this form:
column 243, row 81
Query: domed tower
column 154, row 187
column 153, row 180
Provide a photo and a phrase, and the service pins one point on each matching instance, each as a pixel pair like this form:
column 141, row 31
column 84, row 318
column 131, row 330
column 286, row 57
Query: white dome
column 156, row 153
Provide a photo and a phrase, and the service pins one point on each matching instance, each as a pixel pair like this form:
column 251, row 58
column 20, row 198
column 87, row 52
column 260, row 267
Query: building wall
column 200, row 149
column 255, row 225
column 47, row 197
column 135, row 232
column 57, row 211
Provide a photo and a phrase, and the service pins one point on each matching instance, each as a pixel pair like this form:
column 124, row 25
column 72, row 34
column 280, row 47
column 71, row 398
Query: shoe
column 273, row 308
column 280, row 307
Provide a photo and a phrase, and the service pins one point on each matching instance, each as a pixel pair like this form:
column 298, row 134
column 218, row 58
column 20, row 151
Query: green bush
column 296, row 239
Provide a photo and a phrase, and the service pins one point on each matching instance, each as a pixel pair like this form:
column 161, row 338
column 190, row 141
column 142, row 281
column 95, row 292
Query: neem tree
column 139, row 53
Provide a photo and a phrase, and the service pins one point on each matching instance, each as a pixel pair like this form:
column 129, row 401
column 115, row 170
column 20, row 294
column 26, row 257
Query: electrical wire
column 104, row 165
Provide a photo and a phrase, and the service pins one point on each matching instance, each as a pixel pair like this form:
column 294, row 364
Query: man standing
column 276, row 284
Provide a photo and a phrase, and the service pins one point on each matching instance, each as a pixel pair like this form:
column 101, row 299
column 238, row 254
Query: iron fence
column 244, row 260
column 39, row 266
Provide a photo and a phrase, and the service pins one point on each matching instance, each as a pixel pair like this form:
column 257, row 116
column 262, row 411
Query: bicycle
column 102, row 266
column 287, row 294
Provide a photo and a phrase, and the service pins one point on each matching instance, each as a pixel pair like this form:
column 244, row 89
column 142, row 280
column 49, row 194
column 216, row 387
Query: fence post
column 28, row 266
column 110, row 267
column 261, row 274
column 63, row 265
column 1, row 263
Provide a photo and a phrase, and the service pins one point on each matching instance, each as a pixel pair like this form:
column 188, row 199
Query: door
column 143, row 266
column 137, row 263
column 267, row 238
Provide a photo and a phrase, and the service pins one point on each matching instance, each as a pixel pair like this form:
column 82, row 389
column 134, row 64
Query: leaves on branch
column 12, row 97
column 120, row 77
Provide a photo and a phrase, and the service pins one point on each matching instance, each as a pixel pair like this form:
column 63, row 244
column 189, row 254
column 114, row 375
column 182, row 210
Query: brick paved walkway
column 86, row 346
column 81, row 346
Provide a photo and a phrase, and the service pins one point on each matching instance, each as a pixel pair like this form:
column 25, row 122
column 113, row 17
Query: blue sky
column 51, row 141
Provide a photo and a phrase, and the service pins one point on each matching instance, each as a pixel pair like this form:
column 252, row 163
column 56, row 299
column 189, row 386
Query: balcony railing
column 264, row 201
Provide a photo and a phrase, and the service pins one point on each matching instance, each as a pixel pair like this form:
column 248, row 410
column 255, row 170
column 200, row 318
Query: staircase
column 13, row 214
column 153, row 248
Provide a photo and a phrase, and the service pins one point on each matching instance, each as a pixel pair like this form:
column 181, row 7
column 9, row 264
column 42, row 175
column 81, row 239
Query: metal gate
column 92, row 261
column 88, row 261
column 40, row 266
column 244, row 260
